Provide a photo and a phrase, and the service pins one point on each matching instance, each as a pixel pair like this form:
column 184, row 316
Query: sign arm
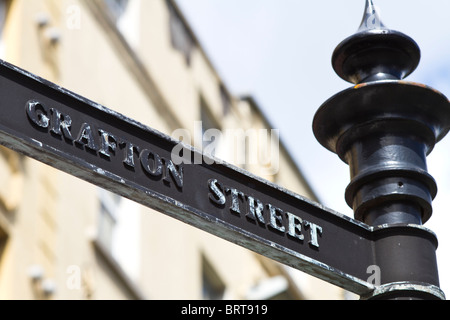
column 84, row 139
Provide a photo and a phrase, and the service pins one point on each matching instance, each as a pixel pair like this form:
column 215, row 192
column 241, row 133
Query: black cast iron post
column 384, row 128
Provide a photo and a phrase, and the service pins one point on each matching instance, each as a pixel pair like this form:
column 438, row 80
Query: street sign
column 82, row 138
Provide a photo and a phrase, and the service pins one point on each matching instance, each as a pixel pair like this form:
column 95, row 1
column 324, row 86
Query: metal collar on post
column 384, row 128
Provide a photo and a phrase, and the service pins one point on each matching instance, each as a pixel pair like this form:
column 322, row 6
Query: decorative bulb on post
column 383, row 127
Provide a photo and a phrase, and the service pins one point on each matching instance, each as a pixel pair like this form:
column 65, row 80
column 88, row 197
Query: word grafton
column 104, row 143
column 264, row 214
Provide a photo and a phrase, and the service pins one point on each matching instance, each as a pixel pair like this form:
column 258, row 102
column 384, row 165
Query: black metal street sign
column 75, row 135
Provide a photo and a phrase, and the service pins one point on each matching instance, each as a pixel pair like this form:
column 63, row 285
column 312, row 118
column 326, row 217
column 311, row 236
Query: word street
column 264, row 214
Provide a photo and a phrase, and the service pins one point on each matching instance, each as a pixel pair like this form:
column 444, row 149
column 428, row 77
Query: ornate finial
column 371, row 19
column 375, row 52
column 383, row 128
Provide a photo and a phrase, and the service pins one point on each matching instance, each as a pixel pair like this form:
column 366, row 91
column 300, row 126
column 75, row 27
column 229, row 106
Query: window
column 117, row 8
column 126, row 15
column 275, row 288
column 212, row 286
column 3, row 13
column 3, row 239
column 119, row 231
column 11, row 174
column 210, row 131
column 226, row 101
column 109, row 205
column 180, row 35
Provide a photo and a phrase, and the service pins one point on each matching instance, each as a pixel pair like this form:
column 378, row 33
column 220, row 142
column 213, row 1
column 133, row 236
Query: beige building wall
column 146, row 64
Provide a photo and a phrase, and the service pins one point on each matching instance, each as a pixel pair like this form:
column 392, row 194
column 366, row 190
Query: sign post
column 386, row 254
column 384, row 128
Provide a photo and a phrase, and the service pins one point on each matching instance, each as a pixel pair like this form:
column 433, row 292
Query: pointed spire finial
column 375, row 52
column 371, row 19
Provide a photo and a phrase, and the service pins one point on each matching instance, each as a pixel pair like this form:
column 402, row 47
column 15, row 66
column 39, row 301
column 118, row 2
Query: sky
column 280, row 53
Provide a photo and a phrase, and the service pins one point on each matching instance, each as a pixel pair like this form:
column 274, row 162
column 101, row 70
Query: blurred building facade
column 62, row 238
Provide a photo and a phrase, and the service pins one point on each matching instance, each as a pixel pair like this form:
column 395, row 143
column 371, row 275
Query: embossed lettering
column 130, row 150
column 175, row 173
column 315, row 231
column 265, row 214
column 37, row 113
column 216, row 196
column 276, row 218
column 61, row 124
column 255, row 209
column 86, row 137
column 235, row 203
column 152, row 163
column 295, row 226
column 108, row 143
